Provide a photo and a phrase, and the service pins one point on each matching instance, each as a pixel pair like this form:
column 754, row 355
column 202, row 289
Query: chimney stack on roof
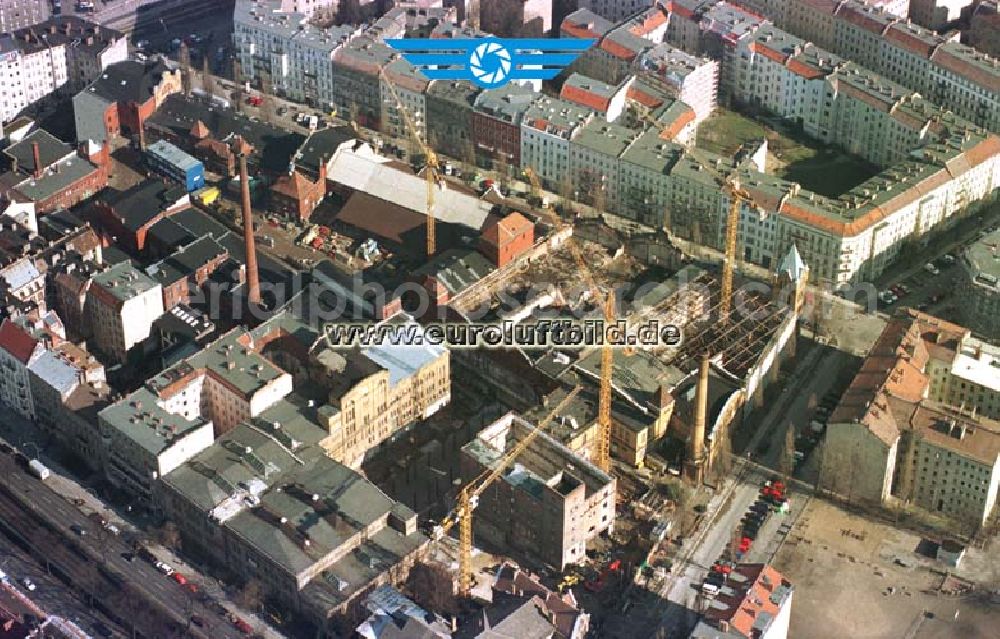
column 38, row 159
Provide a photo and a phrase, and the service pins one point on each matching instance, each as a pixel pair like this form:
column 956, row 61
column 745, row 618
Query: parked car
column 164, row 568
column 933, row 270
column 243, row 626
column 78, row 530
column 29, row 584
column 198, row 621
column 179, row 578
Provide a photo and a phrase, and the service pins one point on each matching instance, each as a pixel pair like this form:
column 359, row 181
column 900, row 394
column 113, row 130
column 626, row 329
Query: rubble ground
column 841, row 561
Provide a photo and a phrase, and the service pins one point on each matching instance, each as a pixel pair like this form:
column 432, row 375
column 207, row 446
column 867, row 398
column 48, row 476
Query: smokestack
column 38, row 159
column 700, row 413
column 253, row 283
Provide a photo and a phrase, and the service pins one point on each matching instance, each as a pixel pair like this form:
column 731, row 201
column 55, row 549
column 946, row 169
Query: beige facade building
column 913, row 426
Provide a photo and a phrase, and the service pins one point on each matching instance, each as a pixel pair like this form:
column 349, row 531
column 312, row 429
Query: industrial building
column 166, row 159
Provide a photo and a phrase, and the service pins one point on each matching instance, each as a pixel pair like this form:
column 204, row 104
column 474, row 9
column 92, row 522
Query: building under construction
column 717, row 375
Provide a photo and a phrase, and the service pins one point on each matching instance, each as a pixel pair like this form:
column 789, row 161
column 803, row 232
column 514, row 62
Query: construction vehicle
column 468, row 497
column 432, row 169
column 569, row 581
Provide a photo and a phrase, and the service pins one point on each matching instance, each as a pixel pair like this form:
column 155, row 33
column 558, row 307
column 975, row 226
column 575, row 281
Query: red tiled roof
column 647, row 100
column 680, row 10
column 617, row 50
column 983, row 151
column 860, row 18
column 751, row 599
column 295, row 186
column 685, row 118
column 968, row 70
column 16, row 341
column 768, row 52
column 801, row 68
column 579, row 29
column 654, row 18
column 583, row 97
column 899, row 35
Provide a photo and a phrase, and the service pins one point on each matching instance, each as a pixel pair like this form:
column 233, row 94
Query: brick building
column 122, row 98
column 296, row 196
column 496, row 124
column 128, row 215
column 504, row 241
column 187, row 270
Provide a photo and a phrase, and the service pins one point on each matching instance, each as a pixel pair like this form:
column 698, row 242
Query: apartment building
column 377, row 394
column 948, row 73
column 403, row 89
column 918, row 422
column 19, row 348
column 691, row 79
column 265, row 503
column 18, row 14
column 449, row 118
column 279, row 47
column 68, row 388
column 358, row 88
column 984, row 29
column 617, row 54
column 62, row 53
column 755, row 602
column 496, row 125
column 935, row 14
column 979, row 286
column 615, row 10
column 547, row 127
column 516, row 18
column 549, row 505
column 122, row 304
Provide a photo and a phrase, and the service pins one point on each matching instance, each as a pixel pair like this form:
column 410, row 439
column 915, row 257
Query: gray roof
column 50, row 150
column 320, row 147
column 167, row 152
column 54, row 181
column 64, row 30
column 526, row 622
column 607, row 138
column 56, row 372
column 556, row 116
column 124, row 281
column 457, row 269
column 137, row 205
column 129, row 81
column 983, row 260
column 186, row 260
column 403, row 361
column 507, row 104
column 140, row 419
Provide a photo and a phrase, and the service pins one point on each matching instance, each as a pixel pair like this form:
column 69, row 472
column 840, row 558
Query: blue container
column 166, row 159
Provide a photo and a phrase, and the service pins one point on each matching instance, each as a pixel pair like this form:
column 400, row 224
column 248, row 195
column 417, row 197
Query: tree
column 169, row 536
column 786, row 463
column 207, row 79
column 723, row 461
column 238, row 81
column 472, row 13
column 350, row 12
column 433, row 588
column 566, row 191
column 251, row 596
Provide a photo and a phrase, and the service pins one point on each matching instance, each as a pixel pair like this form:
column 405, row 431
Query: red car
column 242, row 626
column 179, row 578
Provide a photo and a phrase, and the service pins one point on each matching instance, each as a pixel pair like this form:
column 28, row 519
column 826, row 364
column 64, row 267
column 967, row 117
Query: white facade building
column 546, row 130
column 616, row 10
column 18, row 349
column 122, row 304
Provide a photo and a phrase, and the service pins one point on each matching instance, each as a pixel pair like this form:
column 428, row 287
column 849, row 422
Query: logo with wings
column 490, row 62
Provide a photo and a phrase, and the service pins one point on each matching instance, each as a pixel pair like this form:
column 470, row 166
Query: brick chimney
column 253, row 283
column 38, row 159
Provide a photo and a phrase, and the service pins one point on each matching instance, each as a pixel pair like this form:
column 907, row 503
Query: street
column 54, row 503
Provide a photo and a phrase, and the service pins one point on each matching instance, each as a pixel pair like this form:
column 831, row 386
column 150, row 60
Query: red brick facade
column 508, row 239
column 296, row 196
column 497, row 138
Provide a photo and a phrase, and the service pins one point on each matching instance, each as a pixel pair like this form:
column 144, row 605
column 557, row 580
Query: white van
column 710, row 589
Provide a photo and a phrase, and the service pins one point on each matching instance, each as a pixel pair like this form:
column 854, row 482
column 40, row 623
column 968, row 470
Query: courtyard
column 791, row 155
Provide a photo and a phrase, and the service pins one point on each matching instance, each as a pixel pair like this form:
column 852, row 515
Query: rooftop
column 507, row 104
column 982, row 259
column 50, row 151
column 167, row 152
column 749, row 602
column 58, row 31
column 456, row 269
column 130, row 81
column 140, row 419
column 556, row 116
column 186, row 261
column 139, row 204
column 124, row 281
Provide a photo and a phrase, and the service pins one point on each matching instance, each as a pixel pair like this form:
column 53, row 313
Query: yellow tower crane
column 601, row 454
column 468, row 497
column 432, row 170
column 737, row 196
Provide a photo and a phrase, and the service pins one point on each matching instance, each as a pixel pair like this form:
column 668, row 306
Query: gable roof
column 16, row 341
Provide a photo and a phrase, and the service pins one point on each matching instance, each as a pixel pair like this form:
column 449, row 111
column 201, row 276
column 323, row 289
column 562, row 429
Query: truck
column 38, row 469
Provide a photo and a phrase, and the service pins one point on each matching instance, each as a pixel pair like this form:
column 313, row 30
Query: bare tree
column 467, row 154
column 786, row 463
column 238, row 82
column 169, row 536
column 207, row 79
column 472, row 13
column 723, row 460
column 598, row 196
column 566, row 191
column 251, row 596
column 433, row 588
column 350, row 12
column 267, row 100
